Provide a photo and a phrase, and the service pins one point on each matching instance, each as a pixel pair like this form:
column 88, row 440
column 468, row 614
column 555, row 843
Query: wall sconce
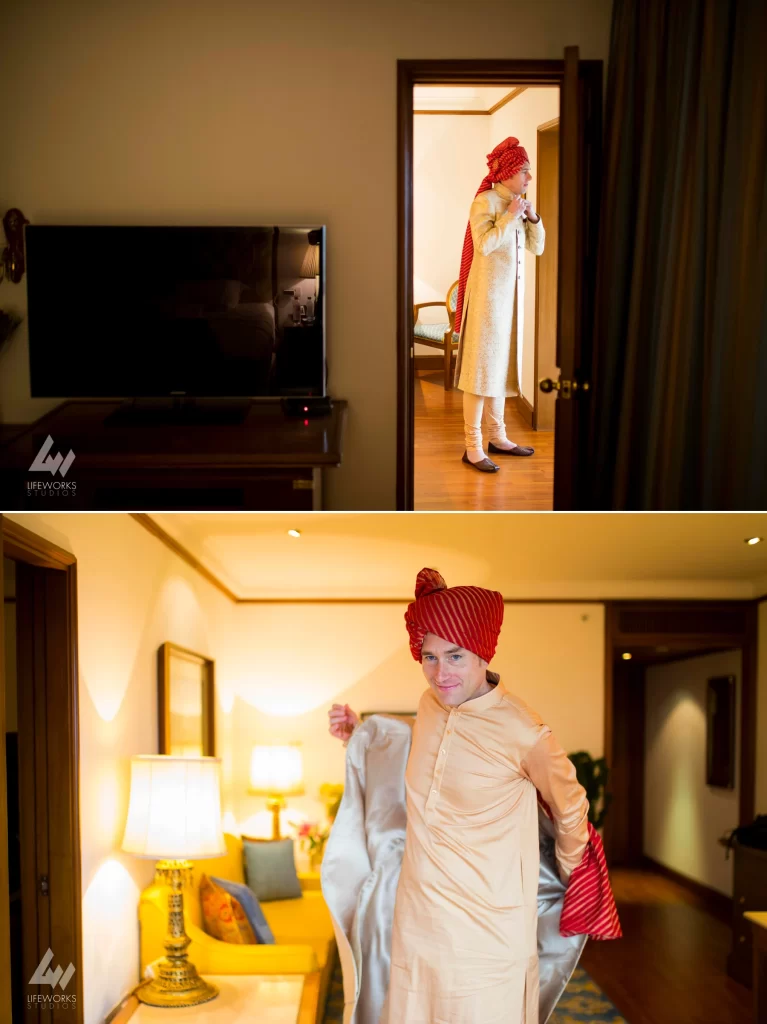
column 12, row 258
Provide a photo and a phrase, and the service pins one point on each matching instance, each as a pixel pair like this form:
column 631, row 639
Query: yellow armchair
column 302, row 928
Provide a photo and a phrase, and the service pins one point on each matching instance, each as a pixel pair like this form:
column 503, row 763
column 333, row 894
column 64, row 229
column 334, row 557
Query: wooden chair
column 439, row 335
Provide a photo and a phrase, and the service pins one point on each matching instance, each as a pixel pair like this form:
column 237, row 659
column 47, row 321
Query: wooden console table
column 759, row 923
column 269, row 462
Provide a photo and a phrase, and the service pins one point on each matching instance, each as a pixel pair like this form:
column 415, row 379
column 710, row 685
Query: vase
column 315, row 859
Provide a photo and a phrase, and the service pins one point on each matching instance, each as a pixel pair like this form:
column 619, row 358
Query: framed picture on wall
column 720, row 732
column 185, row 693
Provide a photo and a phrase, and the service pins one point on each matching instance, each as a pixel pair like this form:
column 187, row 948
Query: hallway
column 671, row 965
column 444, row 483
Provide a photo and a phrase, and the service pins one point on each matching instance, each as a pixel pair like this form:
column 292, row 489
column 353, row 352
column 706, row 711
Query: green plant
column 593, row 775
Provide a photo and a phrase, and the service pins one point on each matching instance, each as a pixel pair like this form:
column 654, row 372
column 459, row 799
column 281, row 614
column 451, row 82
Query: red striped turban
column 504, row 162
column 469, row 617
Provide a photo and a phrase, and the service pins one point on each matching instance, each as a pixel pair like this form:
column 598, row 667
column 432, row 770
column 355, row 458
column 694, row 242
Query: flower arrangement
column 312, row 837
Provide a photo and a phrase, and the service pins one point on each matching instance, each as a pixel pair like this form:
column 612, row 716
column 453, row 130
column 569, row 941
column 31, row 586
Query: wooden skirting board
column 716, row 903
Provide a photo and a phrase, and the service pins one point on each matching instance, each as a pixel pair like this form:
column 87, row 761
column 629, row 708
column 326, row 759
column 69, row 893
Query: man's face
column 454, row 674
column 520, row 181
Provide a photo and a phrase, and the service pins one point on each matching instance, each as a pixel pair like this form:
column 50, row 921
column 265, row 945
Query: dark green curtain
column 680, row 345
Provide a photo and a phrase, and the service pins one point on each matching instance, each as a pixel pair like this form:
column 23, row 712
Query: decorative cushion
column 223, row 915
column 270, row 868
column 252, row 908
column 435, row 332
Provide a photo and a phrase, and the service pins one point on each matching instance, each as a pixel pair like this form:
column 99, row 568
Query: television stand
column 180, row 412
column 270, row 462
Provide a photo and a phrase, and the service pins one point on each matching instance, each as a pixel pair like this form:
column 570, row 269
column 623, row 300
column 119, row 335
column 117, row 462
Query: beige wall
column 158, row 112
column 133, row 595
column 761, row 711
column 683, row 816
column 521, row 118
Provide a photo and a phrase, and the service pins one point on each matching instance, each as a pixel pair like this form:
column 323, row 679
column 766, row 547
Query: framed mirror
column 720, row 732
column 185, row 702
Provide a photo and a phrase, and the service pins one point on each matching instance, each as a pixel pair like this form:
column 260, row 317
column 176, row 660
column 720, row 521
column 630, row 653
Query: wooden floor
column 443, row 482
column 671, row 965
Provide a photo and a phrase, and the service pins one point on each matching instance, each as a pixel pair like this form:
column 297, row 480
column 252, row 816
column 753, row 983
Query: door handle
column 566, row 388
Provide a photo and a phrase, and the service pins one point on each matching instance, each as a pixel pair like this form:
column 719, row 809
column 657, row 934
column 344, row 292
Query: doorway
column 571, row 204
column 454, row 127
column 657, row 634
column 40, row 873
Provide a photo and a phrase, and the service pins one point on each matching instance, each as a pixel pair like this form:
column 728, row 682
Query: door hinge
column 44, row 885
column 566, row 388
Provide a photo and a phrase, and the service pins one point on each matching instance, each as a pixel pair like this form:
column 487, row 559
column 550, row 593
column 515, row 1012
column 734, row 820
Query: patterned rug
column 582, row 1000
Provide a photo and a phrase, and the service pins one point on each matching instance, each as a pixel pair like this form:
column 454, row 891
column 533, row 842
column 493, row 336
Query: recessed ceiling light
column 626, row 656
column 294, row 533
column 753, row 540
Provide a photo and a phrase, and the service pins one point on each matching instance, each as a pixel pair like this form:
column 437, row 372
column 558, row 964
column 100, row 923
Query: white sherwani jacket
column 361, row 875
column 490, row 344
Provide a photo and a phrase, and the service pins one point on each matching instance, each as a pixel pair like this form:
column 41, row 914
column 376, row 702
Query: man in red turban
column 488, row 316
column 464, row 941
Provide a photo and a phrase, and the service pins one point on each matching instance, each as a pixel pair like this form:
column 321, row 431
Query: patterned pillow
column 252, row 908
column 223, row 916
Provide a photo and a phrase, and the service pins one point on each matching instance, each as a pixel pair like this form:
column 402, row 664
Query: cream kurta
column 490, row 345
column 464, row 941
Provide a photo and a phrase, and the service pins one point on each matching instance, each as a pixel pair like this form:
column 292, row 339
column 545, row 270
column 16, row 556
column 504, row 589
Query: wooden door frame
column 466, row 72
column 547, row 126
column 737, row 628
column 27, row 547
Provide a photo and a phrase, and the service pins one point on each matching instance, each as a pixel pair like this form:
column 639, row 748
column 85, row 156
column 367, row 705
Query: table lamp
column 311, row 268
column 174, row 816
column 276, row 772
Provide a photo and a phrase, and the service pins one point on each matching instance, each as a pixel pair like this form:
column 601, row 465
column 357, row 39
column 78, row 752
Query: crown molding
column 517, row 91
column 149, row 524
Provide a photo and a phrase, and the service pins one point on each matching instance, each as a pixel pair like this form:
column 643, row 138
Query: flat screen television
column 176, row 312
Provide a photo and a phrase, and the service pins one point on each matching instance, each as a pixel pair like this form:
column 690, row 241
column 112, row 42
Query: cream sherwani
column 490, row 345
column 464, row 941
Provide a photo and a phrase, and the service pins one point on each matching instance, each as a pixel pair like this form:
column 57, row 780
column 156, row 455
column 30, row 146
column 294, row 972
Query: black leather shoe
column 517, row 450
column 485, row 466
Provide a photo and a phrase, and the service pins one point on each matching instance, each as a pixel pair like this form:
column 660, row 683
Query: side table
column 242, row 999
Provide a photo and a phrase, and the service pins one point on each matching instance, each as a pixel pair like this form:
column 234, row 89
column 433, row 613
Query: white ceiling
column 458, row 97
column 532, row 555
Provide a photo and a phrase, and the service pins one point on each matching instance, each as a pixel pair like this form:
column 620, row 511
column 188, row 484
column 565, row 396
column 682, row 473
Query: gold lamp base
column 177, row 982
column 171, row 990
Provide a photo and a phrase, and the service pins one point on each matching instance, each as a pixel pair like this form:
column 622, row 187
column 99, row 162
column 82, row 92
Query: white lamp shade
column 276, row 771
column 175, row 808
column 311, row 265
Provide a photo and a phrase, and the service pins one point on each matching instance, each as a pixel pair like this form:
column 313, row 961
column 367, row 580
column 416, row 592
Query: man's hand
column 530, row 213
column 517, row 207
column 343, row 722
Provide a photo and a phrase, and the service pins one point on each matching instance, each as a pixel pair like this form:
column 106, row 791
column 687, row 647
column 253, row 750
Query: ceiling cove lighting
column 751, row 541
column 294, row 533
